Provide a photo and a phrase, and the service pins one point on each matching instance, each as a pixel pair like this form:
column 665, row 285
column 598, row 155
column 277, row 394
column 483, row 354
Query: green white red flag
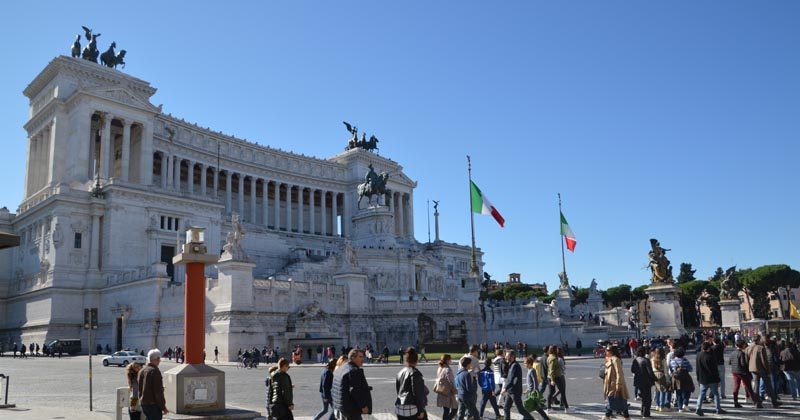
column 566, row 232
column 482, row 205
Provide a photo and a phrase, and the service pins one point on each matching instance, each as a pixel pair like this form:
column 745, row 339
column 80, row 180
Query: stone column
column 126, row 150
column 410, row 215
column 401, row 216
column 312, row 222
column 334, row 211
column 323, row 198
column 164, row 164
column 176, row 162
column 28, row 167
column 228, row 187
column 436, row 222
column 33, row 163
column 252, row 199
column 146, row 161
column 265, row 202
column 94, row 255
column 203, row 169
column 288, row 207
column 105, row 146
column 300, row 215
column 396, row 214
column 346, row 218
column 277, row 198
column 190, row 176
column 56, row 167
column 166, row 181
column 240, row 196
column 216, row 183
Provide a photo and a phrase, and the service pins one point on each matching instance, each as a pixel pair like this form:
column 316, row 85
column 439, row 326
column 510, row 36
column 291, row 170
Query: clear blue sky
column 674, row 120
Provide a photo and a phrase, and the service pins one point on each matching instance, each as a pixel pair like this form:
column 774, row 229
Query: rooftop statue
column 562, row 276
column 76, row 46
column 90, row 51
column 659, row 264
column 355, row 143
column 112, row 60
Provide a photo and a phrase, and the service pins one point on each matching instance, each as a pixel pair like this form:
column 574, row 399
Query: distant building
column 779, row 302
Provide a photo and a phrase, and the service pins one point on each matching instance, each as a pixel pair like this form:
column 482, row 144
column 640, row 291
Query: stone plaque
column 200, row 391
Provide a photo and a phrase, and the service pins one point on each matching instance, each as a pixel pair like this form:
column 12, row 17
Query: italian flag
column 566, row 232
column 482, row 205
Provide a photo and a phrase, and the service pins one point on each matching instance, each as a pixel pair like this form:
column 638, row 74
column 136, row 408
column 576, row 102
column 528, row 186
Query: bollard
column 5, row 403
column 123, row 400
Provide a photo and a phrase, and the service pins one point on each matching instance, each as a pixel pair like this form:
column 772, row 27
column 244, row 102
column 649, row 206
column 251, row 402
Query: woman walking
column 614, row 389
column 681, row 380
column 557, row 381
column 412, row 394
column 446, row 388
column 533, row 381
column 135, row 406
column 325, row 385
column 281, row 403
column 661, row 383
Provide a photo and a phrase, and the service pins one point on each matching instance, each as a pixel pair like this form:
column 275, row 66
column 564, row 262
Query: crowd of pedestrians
column 664, row 380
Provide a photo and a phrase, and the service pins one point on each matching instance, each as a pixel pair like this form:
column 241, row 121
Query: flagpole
column 563, row 258
column 429, row 221
column 474, row 264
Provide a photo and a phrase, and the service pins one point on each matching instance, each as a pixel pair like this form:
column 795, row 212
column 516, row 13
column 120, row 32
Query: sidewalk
column 46, row 413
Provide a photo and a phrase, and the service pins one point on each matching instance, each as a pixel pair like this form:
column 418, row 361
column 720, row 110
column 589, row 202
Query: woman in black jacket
column 412, row 394
column 325, row 385
column 281, row 401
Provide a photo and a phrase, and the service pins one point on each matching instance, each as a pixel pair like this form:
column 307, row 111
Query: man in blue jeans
column 707, row 377
column 467, row 391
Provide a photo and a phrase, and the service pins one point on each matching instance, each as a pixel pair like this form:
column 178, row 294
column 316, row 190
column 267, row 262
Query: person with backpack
column 467, row 390
column 790, row 359
column 707, row 377
column 412, row 394
column 615, row 390
column 643, row 378
column 682, row 382
column 661, row 380
column 739, row 363
column 280, row 398
column 486, row 380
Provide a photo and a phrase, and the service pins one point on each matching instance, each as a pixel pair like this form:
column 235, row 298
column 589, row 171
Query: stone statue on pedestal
column 593, row 288
column 659, row 264
column 233, row 250
column 730, row 286
column 564, row 280
column 350, row 257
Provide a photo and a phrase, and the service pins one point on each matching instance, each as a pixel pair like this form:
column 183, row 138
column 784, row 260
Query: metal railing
column 7, row 380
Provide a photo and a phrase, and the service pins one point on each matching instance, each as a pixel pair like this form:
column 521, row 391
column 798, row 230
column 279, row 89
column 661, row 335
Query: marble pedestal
column 731, row 316
column 564, row 301
column 666, row 317
column 373, row 227
column 194, row 389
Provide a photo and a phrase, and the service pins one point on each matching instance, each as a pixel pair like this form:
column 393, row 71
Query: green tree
column 581, row 295
column 615, row 296
column 687, row 274
column 718, row 275
column 689, row 293
column 765, row 279
column 638, row 293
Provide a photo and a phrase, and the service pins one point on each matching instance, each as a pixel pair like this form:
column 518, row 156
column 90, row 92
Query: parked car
column 68, row 346
column 123, row 358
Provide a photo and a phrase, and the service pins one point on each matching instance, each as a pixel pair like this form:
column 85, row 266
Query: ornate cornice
column 84, row 69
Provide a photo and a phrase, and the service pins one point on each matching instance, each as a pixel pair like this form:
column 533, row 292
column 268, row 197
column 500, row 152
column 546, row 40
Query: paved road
column 63, row 385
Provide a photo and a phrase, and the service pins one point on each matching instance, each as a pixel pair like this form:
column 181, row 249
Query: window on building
column 78, row 240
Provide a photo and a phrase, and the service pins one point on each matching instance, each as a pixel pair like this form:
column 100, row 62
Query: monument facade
column 112, row 182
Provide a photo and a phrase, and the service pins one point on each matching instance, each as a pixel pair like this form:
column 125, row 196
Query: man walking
column 151, row 388
column 643, row 379
column 216, row 354
column 512, row 388
column 351, row 393
column 467, row 388
column 790, row 358
column 718, row 350
column 707, row 377
column 760, row 368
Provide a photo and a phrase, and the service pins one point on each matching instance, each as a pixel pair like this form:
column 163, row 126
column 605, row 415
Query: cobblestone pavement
column 45, row 388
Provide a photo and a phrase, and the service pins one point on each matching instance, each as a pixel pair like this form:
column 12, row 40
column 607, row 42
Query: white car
column 123, row 358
